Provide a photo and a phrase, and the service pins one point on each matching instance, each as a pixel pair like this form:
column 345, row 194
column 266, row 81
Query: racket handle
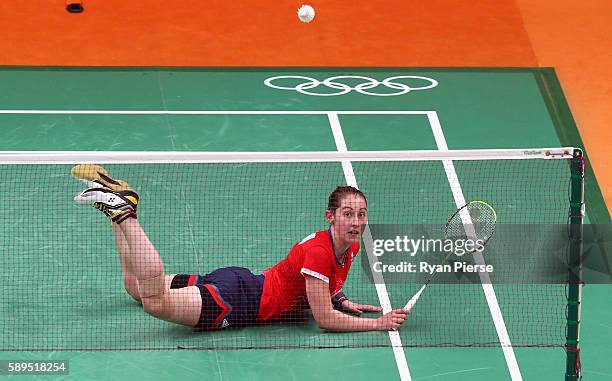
column 414, row 299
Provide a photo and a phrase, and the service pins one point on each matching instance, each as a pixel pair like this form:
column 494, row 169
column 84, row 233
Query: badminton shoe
column 97, row 177
column 117, row 205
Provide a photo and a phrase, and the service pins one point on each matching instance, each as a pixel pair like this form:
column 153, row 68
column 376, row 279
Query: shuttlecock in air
column 306, row 13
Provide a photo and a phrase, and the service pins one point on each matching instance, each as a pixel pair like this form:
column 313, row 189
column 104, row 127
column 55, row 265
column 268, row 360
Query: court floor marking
column 381, row 288
column 210, row 112
column 498, row 319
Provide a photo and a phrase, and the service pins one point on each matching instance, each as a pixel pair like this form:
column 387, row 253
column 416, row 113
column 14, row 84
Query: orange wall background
column 571, row 36
column 265, row 33
column 576, row 39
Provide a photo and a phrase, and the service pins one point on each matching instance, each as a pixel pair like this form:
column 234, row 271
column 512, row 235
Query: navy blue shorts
column 230, row 297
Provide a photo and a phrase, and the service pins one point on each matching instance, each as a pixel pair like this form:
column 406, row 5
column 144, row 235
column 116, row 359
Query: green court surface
column 171, row 109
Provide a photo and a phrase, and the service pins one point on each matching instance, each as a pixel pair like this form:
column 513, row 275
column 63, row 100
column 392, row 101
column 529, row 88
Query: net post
column 574, row 295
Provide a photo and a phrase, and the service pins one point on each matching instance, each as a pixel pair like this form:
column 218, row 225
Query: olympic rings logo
column 306, row 84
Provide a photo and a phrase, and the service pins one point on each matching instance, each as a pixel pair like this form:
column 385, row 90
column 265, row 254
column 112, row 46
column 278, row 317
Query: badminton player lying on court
column 311, row 276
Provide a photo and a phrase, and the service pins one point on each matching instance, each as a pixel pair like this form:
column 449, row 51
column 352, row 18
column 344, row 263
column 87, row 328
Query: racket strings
column 476, row 217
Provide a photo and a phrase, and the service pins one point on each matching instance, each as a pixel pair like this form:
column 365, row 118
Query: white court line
column 209, row 112
column 381, row 288
column 498, row 319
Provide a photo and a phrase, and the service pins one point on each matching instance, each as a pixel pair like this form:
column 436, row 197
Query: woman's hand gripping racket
column 475, row 220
